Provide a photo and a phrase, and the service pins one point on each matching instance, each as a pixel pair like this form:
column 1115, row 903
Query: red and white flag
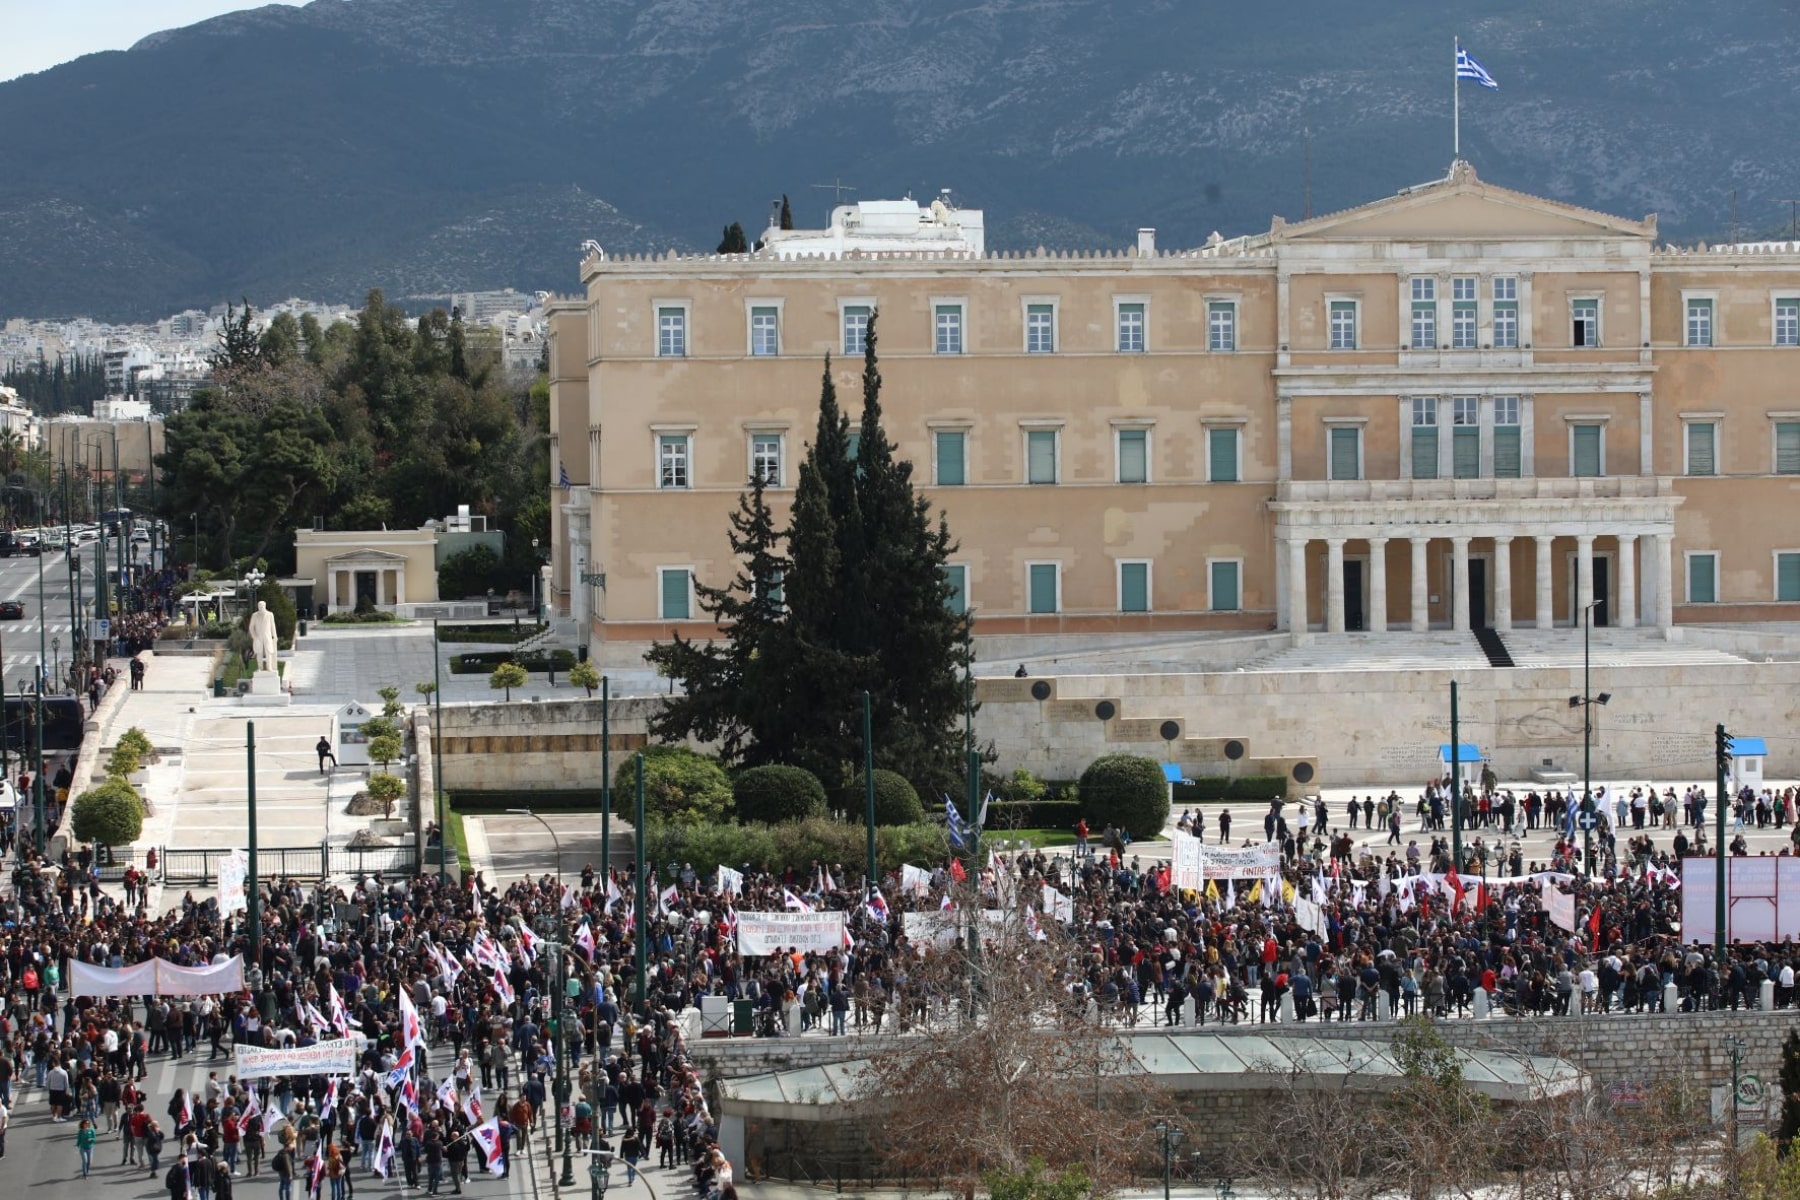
column 486, row 1137
column 384, row 1150
column 412, row 1030
column 584, row 937
column 793, row 902
column 530, row 941
column 472, row 1104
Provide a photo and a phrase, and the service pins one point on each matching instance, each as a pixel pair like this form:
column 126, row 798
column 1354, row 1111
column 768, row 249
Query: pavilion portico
column 1628, row 521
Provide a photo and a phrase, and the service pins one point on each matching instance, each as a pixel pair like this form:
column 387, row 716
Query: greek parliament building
column 1455, row 408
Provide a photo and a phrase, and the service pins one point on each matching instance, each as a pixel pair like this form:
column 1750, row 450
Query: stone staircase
column 559, row 634
column 1437, row 651
column 1610, row 648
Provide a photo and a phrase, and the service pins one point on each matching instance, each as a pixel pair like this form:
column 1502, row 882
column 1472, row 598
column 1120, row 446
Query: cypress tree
column 733, row 241
column 787, row 214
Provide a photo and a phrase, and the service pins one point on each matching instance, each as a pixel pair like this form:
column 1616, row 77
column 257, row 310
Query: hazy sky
column 38, row 34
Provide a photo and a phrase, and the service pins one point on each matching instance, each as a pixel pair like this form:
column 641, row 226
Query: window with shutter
column 1134, row 456
column 1506, row 452
column 1703, row 579
column 1424, row 452
column 1222, row 455
column 1702, row 449
column 1466, row 446
column 1787, row 448
column 1041, row 579
column 1040, row 446
column 1787, row 576
column 1223, row 586
column 951, row 471
column 956, row 575
column 1134, row 587
column 1585, row 451
column 675, row 593
column 1345, row 444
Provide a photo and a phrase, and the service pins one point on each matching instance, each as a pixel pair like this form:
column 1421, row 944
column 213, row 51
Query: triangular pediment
column 1460, row 207
column 366, row 555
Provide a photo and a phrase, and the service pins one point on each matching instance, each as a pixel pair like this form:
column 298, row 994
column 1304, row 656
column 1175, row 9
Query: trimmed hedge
column 1218, row 787
column 482, row 662
column 571, row 800
column 496, row 634
column 1035, row 814
column 1126, row 790
column 796, row 844
column 777, row 793
column 680, row 786
column 896, row 800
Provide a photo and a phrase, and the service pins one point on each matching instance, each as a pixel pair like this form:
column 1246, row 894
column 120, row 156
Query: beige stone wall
column 553, row 744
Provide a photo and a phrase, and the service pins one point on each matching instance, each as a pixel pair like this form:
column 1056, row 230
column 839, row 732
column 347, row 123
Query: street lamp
column 557, row 949
column 1585, row 702
column 1170, row 1133
column 56, row 655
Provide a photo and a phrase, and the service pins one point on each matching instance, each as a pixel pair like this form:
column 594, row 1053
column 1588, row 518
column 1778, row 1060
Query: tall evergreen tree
column 787, row 213
column 734, row 241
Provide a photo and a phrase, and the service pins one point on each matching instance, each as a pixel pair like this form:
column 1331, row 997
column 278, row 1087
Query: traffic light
column 75, row 562
column 1722, row 750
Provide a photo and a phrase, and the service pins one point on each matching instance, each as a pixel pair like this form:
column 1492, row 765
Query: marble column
column 1503, row 584
column 1296, row 580
column 1421, row 614
column 1546, row 617
column 1459, row 584
column 1334, row 585
column 1626, row 617
column 1665, row 583
column 1584, row 575
column 1378, row 615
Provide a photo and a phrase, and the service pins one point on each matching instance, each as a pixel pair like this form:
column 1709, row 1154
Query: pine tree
column 734, row 241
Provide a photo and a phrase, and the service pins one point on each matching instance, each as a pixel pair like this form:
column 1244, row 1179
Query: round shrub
column 680, row 786
column 896, row 801
column 777, row 793
column 1126, row 790
column 109, row 815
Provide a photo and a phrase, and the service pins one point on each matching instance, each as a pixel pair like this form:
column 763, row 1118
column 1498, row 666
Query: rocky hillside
column 432, row 144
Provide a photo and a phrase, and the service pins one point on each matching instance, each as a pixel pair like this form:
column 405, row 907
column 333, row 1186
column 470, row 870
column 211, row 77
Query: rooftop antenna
column 1793, row 203
column 1732, row 236
column 1307, row 130
column 838, row 188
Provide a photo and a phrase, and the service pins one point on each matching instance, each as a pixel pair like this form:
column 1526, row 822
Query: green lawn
column 453, row 832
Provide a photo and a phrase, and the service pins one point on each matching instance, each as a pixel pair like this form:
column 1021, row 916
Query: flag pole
column 1455, row 100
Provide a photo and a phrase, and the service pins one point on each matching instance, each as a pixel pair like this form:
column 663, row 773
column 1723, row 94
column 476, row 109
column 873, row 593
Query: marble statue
column 263, row 639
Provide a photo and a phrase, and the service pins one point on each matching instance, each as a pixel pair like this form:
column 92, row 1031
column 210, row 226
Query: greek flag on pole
column 1468, row 68
column 953, row 822
column 562, row 470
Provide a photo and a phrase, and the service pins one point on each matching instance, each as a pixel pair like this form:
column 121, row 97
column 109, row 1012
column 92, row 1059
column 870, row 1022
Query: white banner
column 1559, row 905
column 1058, row 905
column 914, row 879
column 1243, row 862
column 1762, row 899
column 947, row 928
column 336, row 1057
column 234, row 872
column 1308, row 915
column 1185, row 870
column 776, row 932
column 157, row 977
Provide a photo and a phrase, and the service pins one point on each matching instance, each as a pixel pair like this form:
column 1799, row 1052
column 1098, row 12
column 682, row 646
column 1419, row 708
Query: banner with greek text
column 947, row 928
column 1239, row 862
column 336, row 1057
column 1185, row 868
column 234, row 872
column 777, row 932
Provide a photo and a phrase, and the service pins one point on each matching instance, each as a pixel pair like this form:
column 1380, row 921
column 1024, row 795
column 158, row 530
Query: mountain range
column 434, row 145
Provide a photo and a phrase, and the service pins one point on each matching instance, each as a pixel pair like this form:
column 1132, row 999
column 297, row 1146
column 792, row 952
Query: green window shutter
column 1224, row 587
column 1134, row 587
column 1041, row 456
column 1787, row 577
column 957, row 576
column 1134, row 456
column 1466, row 446
column 853, row 445
column 1424, row 452
column 1506, row 452
column 1587, row 451
column 1043, row 588
column 675, row 596
column 1343, row 453
column 1702, row 449
column 1221, row 448
column 1702, row 581
column 1787, row 448
column 951, row 470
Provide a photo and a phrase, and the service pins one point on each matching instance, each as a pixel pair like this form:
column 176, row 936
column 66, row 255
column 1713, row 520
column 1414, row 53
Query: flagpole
column 1455, row 101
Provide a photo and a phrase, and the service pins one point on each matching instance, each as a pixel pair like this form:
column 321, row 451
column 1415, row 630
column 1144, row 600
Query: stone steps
column 1609, row 648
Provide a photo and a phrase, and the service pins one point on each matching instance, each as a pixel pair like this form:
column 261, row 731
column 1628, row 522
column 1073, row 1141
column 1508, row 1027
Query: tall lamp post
column 557, row 950
column 1585, row 702
column 1170, row 1134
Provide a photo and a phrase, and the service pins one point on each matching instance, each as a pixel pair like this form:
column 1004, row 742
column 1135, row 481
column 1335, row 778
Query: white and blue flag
column 1468, row 68
column 953, row 822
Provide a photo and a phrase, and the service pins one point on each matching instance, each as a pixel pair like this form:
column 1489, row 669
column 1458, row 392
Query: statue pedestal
column 266, row 690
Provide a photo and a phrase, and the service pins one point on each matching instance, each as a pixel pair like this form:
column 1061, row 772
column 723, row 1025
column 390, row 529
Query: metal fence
column 201, row 866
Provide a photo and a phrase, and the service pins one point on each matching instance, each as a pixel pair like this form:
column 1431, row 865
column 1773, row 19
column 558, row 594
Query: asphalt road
column 40, row 1155
column 19, row 640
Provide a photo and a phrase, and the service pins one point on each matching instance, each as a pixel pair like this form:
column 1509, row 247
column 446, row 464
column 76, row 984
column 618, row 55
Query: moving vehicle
column 27, row 542
column 11, row 610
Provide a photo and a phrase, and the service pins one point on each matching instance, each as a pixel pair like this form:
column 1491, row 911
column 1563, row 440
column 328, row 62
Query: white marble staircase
column 1442, row 650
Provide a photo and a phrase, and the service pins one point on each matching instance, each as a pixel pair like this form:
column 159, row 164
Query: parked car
column 11, row 610
column 28, row 543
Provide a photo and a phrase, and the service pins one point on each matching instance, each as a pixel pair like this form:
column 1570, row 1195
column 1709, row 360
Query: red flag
column 1456, row 891
column 956, row 871
column 1594, row 926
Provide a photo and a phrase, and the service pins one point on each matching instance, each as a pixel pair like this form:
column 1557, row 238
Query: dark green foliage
column 792, row 843
column 272, row 594
column 896, row 801
column 787, row 213
column 734, row 241
column 480, row 662
column 470, row 573
column 786, row 683
column 492, row 633
column 1218, row 787
column 69, row 385
column 680, row 787
column 1126, row 790
column 110, row 814
column 776, row 793
column 1790, row 1093
column 1033, row 814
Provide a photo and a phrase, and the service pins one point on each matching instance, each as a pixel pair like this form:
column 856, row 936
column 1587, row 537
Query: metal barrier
column 201, row 866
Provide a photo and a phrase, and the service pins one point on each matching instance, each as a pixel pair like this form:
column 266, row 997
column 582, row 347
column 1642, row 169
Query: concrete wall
column 1368, row 727
column 524, row 744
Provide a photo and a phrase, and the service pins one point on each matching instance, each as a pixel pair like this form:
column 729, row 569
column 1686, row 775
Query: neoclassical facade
column 1459, row 407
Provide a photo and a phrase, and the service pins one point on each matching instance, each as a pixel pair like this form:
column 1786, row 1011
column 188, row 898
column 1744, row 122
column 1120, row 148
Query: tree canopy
column 850, row 597
column 384, row 423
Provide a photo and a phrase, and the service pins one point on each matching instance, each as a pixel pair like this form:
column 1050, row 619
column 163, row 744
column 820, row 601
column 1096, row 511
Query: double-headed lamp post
column 559, row 986
column 1170, row 1134
column 1585, row 702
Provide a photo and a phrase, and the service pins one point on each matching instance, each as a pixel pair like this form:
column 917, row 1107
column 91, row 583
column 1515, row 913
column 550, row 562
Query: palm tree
column 12, row 451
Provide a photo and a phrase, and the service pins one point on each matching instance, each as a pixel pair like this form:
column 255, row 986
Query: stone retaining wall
column 527, row 744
